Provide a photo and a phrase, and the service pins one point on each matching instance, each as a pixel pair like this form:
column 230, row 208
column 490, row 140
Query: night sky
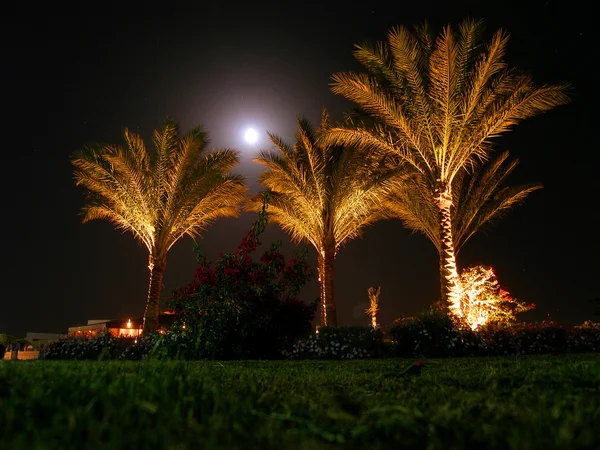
column 71, row 77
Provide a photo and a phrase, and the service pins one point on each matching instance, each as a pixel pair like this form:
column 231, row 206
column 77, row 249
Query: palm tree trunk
column 449, row 280
column 325, row 262
column 157, row 269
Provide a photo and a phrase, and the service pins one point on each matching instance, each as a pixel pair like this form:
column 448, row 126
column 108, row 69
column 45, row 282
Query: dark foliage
column 100, row 347
column 431, row 332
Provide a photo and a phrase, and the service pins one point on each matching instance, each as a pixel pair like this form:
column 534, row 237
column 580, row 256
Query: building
column 39, row 340
column 128, row 328
column 124, row 328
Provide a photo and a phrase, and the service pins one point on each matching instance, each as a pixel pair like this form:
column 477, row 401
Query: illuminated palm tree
column 324, row 195
column 159, row 196
column 479, row 197
column 437, row 104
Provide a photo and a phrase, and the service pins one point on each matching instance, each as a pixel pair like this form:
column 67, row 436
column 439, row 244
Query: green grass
column 541, row 402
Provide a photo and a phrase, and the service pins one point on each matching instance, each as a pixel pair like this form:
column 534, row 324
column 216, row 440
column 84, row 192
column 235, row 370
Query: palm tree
column 479, row 196
column 437, row 104
column 159, row 196
column 324, row 195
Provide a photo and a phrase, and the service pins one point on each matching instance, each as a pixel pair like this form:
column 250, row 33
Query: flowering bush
column 484, row 301
column 102, row 346
column 239, row 308
column 347, row 342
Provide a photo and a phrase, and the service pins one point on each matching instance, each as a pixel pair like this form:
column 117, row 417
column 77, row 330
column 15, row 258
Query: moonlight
column 250, row 136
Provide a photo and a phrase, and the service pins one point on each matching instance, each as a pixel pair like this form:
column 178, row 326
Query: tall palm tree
column 437, row 104
column 480, row 196
column 159, row 196
column 324, row 195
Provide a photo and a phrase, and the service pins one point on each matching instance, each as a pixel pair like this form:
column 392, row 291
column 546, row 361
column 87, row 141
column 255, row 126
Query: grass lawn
column 536, row 402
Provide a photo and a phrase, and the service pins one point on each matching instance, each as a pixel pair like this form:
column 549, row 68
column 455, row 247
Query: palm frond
column 411, row 203
column 321, row 191
column 373, row 139
column 163, row 195
column 438, row 102
column 481, row 196
column 437, row 105
column 371, row 96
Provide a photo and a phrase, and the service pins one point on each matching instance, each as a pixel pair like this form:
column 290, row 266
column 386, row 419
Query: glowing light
column 251, row 136
column 128, row 323
column 482, row 300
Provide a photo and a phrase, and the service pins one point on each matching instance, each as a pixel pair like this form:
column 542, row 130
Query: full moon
column 251, row 136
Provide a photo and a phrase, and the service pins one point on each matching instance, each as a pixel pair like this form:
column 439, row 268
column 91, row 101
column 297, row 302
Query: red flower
column 231, row 271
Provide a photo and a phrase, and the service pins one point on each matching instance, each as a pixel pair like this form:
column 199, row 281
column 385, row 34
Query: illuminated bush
column 484, row 301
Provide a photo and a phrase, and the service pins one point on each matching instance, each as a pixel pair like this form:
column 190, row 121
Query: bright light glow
column 251, row 136
column 128, row 323
column 484, row 301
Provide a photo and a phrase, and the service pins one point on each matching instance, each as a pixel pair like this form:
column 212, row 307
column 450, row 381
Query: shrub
column 346, row 342
column 140, row 349
column 2, row 351
column 524, row 338
column 102, row 346
column 239, row 308
column 434, row 333
column 431, row 333
column 585, row 337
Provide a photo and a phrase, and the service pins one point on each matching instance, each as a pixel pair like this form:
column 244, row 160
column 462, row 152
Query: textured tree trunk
column 325, row 262
column 449, row 280
column 157, row 269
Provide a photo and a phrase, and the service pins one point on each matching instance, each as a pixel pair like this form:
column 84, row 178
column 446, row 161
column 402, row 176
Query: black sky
column 80, row 75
